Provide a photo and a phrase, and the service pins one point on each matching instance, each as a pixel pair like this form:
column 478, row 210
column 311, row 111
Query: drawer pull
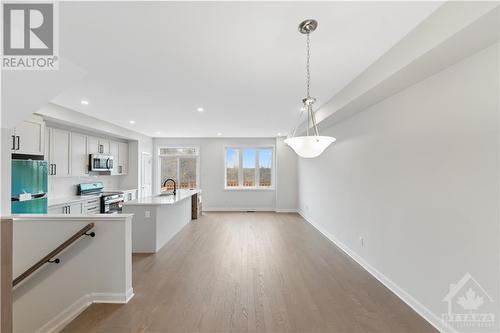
column 92, row 208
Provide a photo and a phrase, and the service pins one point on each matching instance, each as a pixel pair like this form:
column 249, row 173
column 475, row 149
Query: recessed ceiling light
column 200, row 109
column 84, row 102
column 158, row 133
column 279, row 134
column 132, row 122
column 219, row 134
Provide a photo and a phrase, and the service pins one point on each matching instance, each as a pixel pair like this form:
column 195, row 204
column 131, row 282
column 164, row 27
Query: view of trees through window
column 249, row 167
column 180, row 164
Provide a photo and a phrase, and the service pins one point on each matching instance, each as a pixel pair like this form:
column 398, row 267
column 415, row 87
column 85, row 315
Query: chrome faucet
column 173, row 181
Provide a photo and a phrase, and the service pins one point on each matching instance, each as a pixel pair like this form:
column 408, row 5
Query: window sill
column 248, row 188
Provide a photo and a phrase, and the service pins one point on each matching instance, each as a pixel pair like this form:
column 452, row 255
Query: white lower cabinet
column 59, row 209
column 69, row 208
column 92, row 206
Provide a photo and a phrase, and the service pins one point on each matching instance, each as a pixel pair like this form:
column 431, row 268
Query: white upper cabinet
column 59, row 152
column 103, row 146
column 69, row 153
column 114, row 151
column 92, row 145
column 28, row 137
column 122, row 158
column 79, row 156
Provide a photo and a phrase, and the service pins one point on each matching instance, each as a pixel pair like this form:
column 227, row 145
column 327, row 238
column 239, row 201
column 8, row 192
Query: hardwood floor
column 257, row 272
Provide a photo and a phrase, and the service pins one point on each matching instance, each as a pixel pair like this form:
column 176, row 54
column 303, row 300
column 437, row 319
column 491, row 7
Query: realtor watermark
column 30, row 39
column 469, row 306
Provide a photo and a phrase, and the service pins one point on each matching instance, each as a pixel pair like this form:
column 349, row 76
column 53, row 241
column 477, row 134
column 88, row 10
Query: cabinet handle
column 55, row 169
column 69, row 208
column 13, row 142
column 18, row 142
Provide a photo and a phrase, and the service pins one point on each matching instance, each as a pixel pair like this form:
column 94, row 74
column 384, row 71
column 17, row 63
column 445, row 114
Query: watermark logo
column 470, row 307
column 30, row 36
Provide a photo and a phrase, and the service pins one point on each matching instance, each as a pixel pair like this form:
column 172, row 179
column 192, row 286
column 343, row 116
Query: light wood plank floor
column 257, row 272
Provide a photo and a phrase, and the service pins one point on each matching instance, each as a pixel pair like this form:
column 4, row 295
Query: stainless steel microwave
column 101, row 162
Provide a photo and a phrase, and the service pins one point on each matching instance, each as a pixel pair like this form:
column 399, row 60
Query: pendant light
column 308, row 146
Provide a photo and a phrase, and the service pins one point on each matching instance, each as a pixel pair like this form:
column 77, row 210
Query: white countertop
column 163, row 200
column 71, row 199
column 77, row 198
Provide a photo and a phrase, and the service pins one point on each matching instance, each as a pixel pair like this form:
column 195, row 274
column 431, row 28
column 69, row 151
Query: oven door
column 113, row 206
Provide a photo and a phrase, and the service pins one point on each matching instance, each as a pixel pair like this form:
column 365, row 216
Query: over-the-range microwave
column 99, row 162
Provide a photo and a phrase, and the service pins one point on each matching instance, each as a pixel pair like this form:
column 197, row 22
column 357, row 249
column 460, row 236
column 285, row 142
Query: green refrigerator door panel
column 29, row 176
column 35, row 206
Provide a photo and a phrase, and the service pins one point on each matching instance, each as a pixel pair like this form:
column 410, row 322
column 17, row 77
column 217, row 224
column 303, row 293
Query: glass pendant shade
column 309, row 146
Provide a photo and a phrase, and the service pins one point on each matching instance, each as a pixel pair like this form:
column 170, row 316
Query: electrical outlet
column 362, row 241
column 147, row 214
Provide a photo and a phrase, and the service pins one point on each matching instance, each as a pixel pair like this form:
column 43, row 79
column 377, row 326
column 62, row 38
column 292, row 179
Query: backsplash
column 65, row 187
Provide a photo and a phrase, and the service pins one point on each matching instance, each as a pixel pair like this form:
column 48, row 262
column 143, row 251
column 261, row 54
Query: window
column 249, row 167
column 180, row 164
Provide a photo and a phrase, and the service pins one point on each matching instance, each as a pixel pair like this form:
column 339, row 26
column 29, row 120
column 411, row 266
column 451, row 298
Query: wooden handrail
column 54, row 253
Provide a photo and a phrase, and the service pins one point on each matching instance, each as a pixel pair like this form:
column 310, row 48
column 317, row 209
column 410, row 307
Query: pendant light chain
column 308, row 70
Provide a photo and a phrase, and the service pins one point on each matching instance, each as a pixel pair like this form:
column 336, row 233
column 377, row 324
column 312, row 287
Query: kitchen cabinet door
column 59, row 143
column 56, row 209
column 123, row 158
column 79, row 156
column 28, row 137
column 92, row 145
column 103, row 146
column 114, row 151
column 75, row 208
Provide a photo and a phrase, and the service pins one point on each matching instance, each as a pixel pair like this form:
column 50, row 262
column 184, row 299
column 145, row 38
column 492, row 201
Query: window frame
column 257, row 187
column 159, row 156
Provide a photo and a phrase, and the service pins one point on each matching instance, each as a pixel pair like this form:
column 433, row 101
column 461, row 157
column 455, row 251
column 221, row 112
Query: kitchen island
column 159, row 218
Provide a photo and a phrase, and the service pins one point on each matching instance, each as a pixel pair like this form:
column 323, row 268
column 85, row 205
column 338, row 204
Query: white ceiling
column 244, row 63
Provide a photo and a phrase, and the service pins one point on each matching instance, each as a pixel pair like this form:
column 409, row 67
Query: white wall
column 95, row 269
column 286, row 173
column 417, row 177
column 61, row 187
column 215, row 197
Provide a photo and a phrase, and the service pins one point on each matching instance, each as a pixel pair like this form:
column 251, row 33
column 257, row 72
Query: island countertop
column 163, row 200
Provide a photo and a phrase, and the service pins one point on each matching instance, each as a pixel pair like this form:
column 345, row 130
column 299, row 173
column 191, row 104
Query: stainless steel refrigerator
column 29, row 187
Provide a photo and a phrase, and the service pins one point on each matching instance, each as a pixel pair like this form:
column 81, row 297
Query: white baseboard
column 113, row 297
column 57, row 323
column 226, row 209
column 143, row 251
column 292, row 210
column 411, row 301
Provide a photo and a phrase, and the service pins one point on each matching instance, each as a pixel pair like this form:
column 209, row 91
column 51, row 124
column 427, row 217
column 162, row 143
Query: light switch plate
column 147, row 214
